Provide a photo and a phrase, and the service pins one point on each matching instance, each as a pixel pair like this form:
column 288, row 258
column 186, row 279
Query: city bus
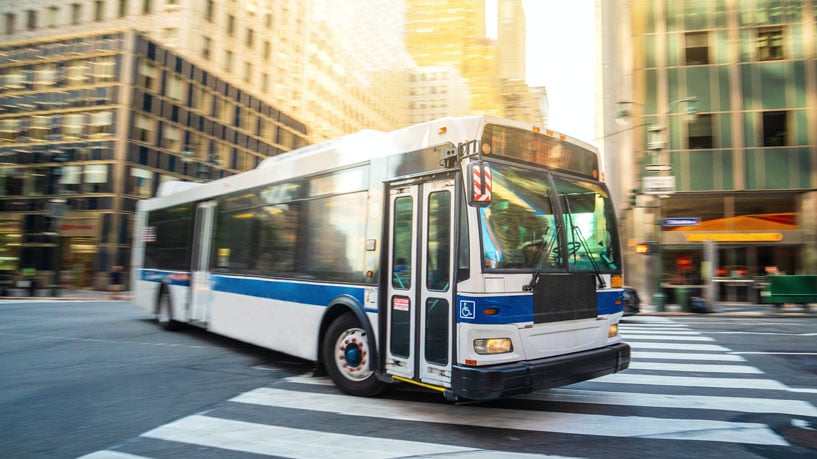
column 474, row 256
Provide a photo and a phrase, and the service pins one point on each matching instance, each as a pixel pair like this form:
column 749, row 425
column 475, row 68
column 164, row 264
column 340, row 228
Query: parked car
column 632, row 303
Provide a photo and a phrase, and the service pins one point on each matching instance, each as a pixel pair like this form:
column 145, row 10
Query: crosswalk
column 681, row 387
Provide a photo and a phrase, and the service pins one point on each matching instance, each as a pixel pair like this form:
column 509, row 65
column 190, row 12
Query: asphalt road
column 100, row 379
column 82, row 376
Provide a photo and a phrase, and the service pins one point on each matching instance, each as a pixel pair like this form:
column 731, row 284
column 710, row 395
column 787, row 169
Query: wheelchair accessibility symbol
column 467, row 309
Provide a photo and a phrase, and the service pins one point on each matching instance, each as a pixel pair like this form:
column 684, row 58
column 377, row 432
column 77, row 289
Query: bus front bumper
column 497, row 381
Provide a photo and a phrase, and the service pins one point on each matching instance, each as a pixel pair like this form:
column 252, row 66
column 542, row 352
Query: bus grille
column 560, row 297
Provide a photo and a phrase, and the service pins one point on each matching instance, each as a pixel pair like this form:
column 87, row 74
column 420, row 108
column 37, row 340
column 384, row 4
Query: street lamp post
column 662, row 185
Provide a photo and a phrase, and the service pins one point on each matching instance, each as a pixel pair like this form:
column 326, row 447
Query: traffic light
column 646, row 248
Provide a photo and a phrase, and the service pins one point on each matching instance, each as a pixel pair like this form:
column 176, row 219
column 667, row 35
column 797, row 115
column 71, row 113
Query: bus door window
column 438, row 277
column 402, row 237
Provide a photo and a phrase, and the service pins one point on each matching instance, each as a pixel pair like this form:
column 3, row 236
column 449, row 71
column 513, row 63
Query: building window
column 171, row 138
column 775, row 129
column 77, row 73
column 53, row 16
column 146, row 6
column 230, row 25
column 71, row 179
column 143, row 129
column 123, row 8
column 72, row 125
column 700, row 133
column 208, row 11
column 9, row 130
column 174, row 87
column 10, row 23
column 770, row 44
column 147, row 76
column 45, row 76
column 205, row 48
column 250, row 38
column 40, row 125
column 267, row 50
column 76, row 13
column 697, row 48
column 264, row 83
column 247, row 72
column 31, row 19
column 101, row 124
column 268, row 20
column 228, row 60
column 96, row 178
column 99, row 10
column 104, row 69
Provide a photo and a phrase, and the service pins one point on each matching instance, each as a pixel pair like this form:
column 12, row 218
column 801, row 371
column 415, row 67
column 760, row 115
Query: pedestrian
column 117, row 282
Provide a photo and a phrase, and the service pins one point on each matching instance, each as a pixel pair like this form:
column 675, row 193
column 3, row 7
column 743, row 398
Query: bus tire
column 164, row 313
column 346, row 357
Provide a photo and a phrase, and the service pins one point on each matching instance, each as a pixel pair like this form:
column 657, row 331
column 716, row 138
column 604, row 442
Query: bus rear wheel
column 347, row 357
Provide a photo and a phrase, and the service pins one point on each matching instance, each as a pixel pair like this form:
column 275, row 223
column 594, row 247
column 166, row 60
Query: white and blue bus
column 474, row 256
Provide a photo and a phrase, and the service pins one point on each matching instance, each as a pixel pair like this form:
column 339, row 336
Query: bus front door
column 200, row 291
column 420, row 287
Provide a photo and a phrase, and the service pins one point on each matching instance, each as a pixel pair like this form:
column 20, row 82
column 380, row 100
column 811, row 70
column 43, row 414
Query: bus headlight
column 485, row 346
column 612, row 331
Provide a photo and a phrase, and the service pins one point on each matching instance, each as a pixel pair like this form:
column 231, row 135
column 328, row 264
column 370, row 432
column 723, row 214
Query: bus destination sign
column 540, row 149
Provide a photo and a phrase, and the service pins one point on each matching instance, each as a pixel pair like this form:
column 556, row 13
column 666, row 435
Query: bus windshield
column 521, row 229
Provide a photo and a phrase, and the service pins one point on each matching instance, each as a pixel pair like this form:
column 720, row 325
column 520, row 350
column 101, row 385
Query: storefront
column 744, row 249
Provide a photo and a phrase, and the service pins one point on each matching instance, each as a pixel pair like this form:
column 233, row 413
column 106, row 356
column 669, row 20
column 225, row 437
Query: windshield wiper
column 541, row 255
column 577, row 234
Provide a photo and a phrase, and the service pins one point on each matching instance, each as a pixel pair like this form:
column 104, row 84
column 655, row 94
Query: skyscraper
column 745, row 170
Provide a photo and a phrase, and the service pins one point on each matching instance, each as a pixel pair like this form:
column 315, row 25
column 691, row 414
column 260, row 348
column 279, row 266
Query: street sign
column 681, row 222
column 658, row 167
column 661, row 184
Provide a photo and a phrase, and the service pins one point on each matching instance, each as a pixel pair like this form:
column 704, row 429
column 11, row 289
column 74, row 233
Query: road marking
column 772, row 353
column 758, row 333
column 301, row 443
column 691, row 367
column 698, row 402
column 638, row 355
column 547, row 421
column 652, row 331
column 111, row 455
column 628, row 336
column 677, row 346
column 692, row 381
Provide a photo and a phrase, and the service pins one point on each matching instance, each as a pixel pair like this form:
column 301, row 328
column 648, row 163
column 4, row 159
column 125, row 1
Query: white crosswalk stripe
column 671, row 365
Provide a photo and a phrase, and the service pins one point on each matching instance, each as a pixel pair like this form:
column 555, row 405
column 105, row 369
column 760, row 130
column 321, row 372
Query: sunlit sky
column 560, row 45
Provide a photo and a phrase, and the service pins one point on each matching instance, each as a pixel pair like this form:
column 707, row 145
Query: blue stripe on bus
column 171, row 277
column 519, row 308
column 511, row 308
column 609, row 301
column 316, row 294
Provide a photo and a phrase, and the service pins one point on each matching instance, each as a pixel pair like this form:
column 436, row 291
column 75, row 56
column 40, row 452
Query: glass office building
column 89, row 124
column 745, row 171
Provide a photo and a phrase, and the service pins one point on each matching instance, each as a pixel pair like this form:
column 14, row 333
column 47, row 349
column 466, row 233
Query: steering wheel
column 572, row 248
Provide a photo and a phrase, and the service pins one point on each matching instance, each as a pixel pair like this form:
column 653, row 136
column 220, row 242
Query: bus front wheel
column 347, row 357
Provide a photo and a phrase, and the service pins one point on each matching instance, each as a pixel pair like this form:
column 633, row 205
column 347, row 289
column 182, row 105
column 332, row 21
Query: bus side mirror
column 479, row 194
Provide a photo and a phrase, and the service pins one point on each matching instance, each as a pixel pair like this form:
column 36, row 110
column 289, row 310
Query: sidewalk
column 72, row 295
column 735, row 310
